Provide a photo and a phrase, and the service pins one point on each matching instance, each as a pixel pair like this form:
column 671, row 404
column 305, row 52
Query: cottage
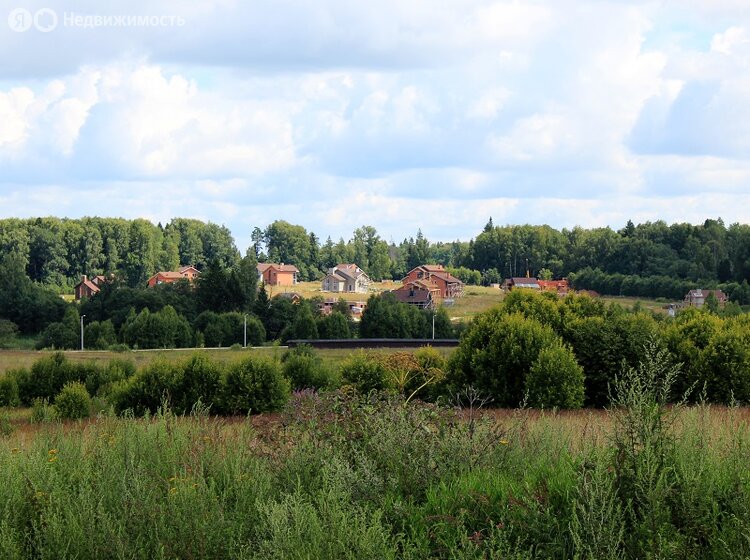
column 448, row 286
column 346, row 278
column 273, row 274
column 294, row 297
column 87, row 288
column 418, row 294
column 696, row 298
column 526, row 283
column 559, row 287
column 189, row 273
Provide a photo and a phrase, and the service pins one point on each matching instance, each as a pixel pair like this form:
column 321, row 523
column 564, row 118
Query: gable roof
column 88, row 284
column 411, row 293
column 523, row 282
column 262, row 267
column 446, row 276
column 184, row 269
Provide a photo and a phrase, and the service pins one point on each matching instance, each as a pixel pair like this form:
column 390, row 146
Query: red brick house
column 273, row 274
column 416, row 293
column 448, row 286
column 696, row 298
column 87, row 288
column 189, row 273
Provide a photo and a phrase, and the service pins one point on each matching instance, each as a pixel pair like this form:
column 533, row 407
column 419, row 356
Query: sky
column 400, row 114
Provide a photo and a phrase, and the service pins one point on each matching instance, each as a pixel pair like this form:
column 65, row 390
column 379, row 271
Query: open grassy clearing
column 13, row 359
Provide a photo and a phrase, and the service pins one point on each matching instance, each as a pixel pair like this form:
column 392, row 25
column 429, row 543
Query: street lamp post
column 82, row 316
column 433, row 326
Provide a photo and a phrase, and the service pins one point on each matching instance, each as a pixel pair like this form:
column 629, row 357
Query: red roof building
column 448, row 286
column 273, row 274
column 189, row 273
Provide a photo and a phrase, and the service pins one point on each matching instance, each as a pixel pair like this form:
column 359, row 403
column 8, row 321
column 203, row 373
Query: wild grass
column 343, row 477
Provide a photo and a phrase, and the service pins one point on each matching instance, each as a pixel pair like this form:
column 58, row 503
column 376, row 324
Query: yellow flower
column 504, row 442
column 52, row 452
column 52, row 459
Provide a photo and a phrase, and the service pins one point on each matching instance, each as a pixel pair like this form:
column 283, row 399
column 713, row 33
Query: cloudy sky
column 402, row 114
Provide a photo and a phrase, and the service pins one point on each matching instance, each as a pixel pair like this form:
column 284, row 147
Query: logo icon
column 45, row 20
column 20, row 20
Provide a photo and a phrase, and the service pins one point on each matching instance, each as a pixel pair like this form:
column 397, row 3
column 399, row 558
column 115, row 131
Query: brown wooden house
column 448, row 286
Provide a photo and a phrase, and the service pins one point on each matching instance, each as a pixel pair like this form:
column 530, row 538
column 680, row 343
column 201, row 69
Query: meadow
column 338, row 476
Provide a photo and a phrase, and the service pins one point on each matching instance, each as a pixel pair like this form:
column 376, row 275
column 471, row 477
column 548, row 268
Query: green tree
column 303, row 327
column 497, row 353
column 555, row 379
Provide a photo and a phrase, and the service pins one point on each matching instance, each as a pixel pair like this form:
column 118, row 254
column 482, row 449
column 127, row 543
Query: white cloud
column 335, row 113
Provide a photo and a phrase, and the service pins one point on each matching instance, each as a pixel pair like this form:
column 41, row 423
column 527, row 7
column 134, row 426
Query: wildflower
column 504, row 442
column 52, row 459
column 52, row 452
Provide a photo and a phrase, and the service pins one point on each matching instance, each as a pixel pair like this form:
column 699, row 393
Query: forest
column 650, row 259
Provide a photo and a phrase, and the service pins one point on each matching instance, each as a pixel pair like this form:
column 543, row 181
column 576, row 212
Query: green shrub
column 73, row 402
column 153, row 386
column 555, row 379
column 99, row 380
column 201, row 381
column 364, row 372
column 306, row 370
column 9, row 390
column 254, row 385
column 496, row 354
column 47, row 378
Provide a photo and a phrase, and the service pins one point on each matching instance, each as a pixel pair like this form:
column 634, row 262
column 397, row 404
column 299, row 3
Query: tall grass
column 339, row 476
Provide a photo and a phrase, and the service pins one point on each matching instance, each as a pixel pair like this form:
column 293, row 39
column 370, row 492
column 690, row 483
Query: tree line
column 652, row 259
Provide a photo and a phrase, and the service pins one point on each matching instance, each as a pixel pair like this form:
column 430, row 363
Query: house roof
column 705, row 293
column 411, row 293
column 262, row 267
column 184, row 269
column 88, row 284
column 169, row 274
column 350, row 270
column 523, row 282
column 447, row 276
column 289, row 295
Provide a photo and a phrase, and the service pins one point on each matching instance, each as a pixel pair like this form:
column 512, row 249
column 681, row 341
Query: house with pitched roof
column 559, row 287
column 346, row 278
column 697, row 298
column 88, row 287
column 417, row 293
column 435, row 276
column 189, row 273
column 277, row 274
column 525, row 283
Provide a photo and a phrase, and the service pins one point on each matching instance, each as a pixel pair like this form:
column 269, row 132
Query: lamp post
column 433, row 325
column 82, row 316
column 244, row 345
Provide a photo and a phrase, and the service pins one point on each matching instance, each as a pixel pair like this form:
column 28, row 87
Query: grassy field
column 13, row 359
column 334, row 478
